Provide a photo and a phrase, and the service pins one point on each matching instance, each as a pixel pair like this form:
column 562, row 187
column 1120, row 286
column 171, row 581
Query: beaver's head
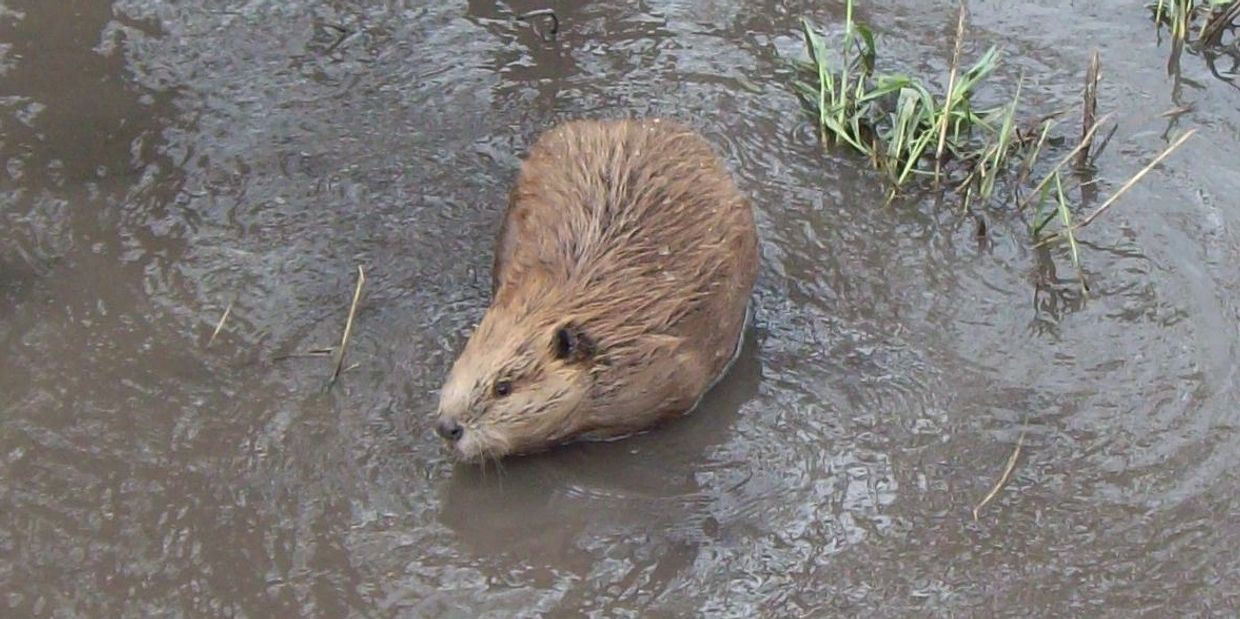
column 516, row 387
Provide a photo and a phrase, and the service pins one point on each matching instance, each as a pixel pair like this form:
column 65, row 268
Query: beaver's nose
column 449, row 430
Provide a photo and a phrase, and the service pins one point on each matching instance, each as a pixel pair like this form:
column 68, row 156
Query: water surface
column 164, row 160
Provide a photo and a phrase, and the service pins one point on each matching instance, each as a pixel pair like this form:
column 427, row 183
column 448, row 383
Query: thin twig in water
column 313, row 352
column 1102, row 146
column 348, row 325
column 1136, row 177
column 951, row 86
column 1007, row 472
column 220, row 325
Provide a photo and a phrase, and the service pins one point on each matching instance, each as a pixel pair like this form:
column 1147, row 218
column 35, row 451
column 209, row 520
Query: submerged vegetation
column 920, row 139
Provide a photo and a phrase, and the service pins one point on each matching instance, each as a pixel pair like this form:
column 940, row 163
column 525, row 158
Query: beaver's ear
column 572, row 344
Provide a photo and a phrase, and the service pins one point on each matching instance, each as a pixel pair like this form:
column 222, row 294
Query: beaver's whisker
column 499, row 468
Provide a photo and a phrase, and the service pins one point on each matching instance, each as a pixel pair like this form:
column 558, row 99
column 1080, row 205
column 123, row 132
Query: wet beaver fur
column 620, row 287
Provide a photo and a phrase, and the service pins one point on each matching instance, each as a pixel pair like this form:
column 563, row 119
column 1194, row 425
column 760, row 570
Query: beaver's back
column 624, row 201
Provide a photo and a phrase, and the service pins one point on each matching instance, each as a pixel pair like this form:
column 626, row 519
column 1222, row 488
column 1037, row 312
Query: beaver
column 621, row 284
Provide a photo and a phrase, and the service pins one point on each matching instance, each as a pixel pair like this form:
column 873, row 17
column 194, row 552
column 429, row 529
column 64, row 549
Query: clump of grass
column 897, row 121
column 910, row 133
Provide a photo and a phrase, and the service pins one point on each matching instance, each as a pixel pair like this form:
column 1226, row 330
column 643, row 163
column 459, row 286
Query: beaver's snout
column 449, row 430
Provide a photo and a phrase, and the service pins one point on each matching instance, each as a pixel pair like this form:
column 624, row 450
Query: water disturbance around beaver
column 167, row 163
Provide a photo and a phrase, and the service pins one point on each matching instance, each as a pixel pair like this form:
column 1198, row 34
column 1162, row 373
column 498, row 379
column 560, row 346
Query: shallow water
column 163, row 160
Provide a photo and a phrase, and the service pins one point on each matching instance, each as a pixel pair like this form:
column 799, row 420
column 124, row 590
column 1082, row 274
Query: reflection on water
column 162, row 160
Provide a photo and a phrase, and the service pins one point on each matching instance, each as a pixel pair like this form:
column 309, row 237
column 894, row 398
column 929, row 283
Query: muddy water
column 165, row 160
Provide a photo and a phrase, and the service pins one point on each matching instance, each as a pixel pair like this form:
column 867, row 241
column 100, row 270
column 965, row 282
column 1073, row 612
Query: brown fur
column 631, row 238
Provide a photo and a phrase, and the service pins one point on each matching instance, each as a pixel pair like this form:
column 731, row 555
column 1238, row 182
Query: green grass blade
column 1003, row 146
column 1040, row 212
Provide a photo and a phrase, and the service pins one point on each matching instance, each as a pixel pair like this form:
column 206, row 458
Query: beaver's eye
column 503, row 388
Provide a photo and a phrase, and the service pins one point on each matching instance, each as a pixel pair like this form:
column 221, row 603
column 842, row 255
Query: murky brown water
column 165, row 159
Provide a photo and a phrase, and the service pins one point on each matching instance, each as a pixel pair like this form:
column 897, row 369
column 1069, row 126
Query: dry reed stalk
column 219, row 326
column 951, row 86
column 1007, row 472
column 1090, row 112
column 348, row 324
